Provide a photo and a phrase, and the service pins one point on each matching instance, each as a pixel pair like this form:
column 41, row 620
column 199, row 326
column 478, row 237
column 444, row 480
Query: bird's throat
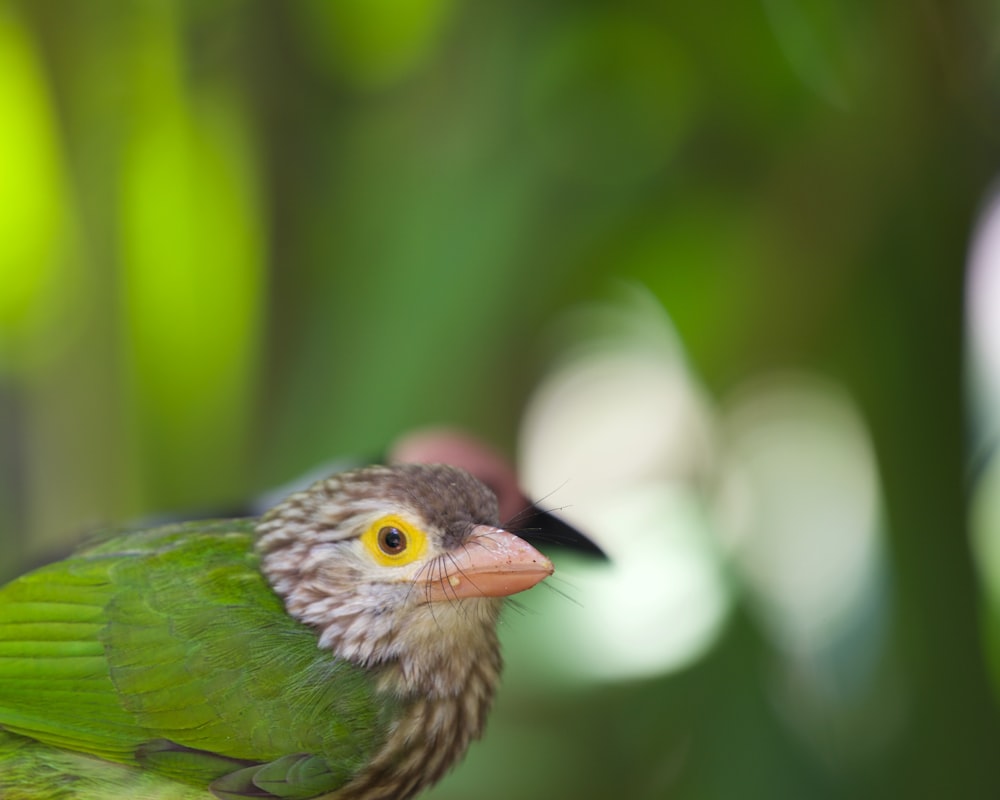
column 444, row 696
column 444, row 646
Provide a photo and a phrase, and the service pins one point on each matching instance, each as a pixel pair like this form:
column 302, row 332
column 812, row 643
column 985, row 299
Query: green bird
column 343, row 645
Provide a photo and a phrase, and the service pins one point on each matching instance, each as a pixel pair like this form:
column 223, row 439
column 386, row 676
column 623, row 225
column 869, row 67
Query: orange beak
column 491, row 563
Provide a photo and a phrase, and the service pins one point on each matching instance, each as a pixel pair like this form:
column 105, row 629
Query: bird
column 343, row 645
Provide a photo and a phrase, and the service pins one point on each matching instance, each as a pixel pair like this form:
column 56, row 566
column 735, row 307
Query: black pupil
column 392, row 540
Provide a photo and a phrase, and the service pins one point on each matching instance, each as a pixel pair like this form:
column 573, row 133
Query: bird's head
column 391, row 562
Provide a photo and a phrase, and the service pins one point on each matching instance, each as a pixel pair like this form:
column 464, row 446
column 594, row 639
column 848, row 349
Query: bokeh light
column 983, row 358
column 803, row 505
column 33, row 212
column 619, row 439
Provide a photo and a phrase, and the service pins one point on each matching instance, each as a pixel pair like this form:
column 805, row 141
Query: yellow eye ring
column 393, row 542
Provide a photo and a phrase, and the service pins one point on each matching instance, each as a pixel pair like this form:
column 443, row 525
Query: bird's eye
column 391, row 540
column 394, row 541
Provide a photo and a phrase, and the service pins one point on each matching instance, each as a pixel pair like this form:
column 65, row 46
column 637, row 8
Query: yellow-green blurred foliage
column 238, row 238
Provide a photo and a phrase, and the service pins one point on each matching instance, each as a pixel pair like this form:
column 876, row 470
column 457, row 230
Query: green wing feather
column 167, row 649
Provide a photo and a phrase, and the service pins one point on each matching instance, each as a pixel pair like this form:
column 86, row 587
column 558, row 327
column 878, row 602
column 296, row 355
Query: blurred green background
column 237, row 238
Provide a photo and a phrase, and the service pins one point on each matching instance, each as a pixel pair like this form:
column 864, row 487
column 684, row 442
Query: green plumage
column 167, row 650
